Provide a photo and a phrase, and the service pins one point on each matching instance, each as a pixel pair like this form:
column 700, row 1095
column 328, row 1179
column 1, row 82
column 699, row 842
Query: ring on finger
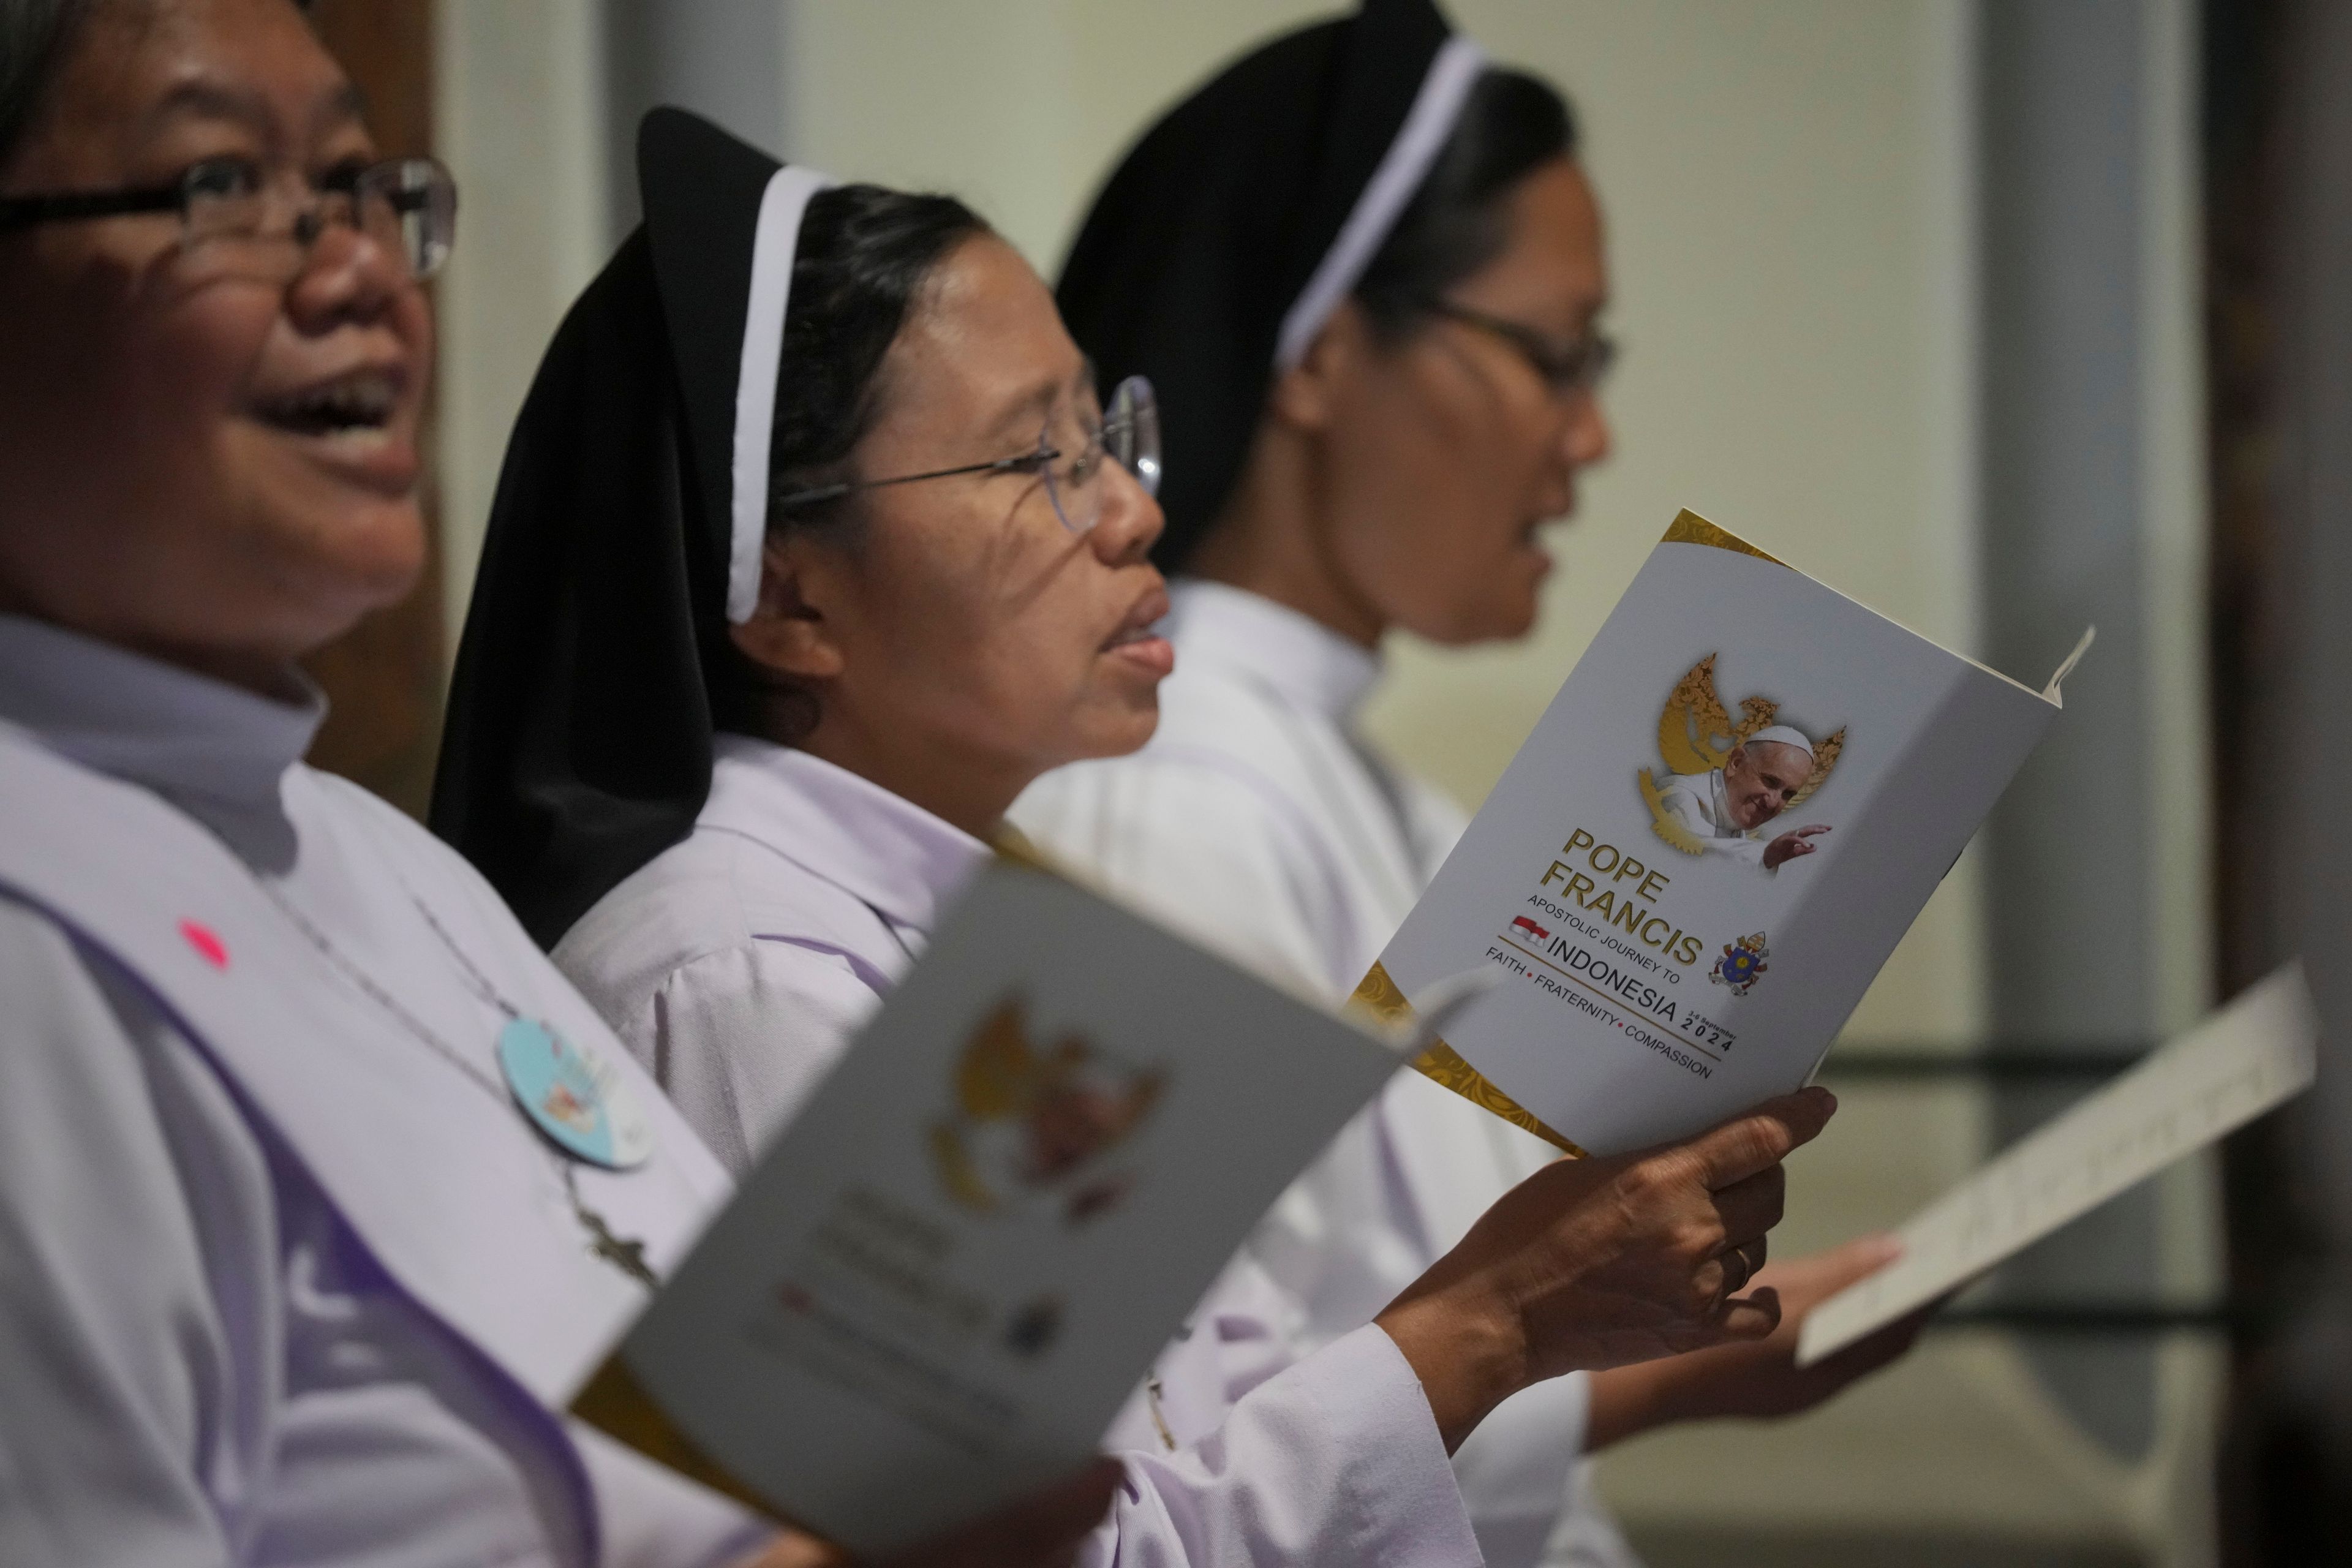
column 1740, row 1264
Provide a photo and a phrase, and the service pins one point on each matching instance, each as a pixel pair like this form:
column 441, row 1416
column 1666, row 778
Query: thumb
column 1750, row 1317
column 1761, row 1138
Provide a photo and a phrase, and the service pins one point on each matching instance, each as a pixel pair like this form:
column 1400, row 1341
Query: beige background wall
column 518, row 113
column 1787, row 188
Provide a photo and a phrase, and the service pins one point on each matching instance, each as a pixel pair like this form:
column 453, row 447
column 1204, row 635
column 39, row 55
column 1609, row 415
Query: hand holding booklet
column 943, row 1279
column 945, row 1276
column 1735, row 806
column 1687, row 905
column 942, row 1282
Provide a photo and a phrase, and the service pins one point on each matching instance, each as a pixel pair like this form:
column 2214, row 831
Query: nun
column 1364, row 267
column 296, row 1264
column 816, row 543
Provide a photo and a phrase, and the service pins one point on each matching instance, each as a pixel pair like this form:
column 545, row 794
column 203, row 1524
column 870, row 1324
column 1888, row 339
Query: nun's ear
column 1307, row 395
column 787, row 632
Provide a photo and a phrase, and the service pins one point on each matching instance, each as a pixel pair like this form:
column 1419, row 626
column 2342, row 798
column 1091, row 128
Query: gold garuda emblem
column 1039, row 1120
column 1697, row 735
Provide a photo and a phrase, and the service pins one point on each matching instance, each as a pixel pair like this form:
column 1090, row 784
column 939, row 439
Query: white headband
column 1435, row 107
column 1781, row 735
column 774, row 243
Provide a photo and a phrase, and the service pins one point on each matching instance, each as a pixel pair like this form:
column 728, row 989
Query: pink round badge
column 209, row 948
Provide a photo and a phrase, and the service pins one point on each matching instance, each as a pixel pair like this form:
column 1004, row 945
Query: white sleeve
column 1337, row 1460
column 651, row 1517
column 136, row 1277
column 1746, row 850
column 1245, row 1330
column 1678, row 799
column 740, row 1038
column 1518, row 1469
column 1202, row 851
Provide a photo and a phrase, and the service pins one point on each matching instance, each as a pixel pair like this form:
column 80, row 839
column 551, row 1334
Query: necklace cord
column 624, row 1253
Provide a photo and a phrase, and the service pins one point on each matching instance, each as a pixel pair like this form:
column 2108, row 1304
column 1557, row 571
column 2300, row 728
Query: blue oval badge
column 574, row 1096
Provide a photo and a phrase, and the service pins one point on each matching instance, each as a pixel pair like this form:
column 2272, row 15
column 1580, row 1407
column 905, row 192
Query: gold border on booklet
column 616, row 1404
column 1689, row 528
column 1381, row 997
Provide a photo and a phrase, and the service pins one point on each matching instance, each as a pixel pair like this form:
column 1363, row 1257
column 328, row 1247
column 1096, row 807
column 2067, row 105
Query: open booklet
column 945, row 1276
column 1735, row 805
column 2257, row 1052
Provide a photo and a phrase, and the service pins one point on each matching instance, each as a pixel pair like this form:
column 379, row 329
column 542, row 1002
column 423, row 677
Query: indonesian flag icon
column 1528, row 926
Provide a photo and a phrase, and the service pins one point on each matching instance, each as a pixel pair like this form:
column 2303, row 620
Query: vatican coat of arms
column 1742, row 964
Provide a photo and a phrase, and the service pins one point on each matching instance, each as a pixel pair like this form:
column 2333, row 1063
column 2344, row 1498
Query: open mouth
column 1532, row 531
column 359, row 402
column 1139, row 643
column 1143, row 623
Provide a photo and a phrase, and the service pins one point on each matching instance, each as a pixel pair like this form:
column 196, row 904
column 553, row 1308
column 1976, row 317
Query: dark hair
column 865, row 257
column 1511, row 124
column 33, row 34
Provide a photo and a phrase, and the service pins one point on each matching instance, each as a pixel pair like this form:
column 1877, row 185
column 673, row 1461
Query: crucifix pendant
column 1151, row 1398
column 624, row 1253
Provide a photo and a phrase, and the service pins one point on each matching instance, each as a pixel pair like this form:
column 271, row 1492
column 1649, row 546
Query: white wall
column 519, row 116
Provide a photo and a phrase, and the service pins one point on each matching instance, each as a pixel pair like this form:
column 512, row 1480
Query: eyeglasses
column 1128, row 434
column 235, row 220
column 1570, row 370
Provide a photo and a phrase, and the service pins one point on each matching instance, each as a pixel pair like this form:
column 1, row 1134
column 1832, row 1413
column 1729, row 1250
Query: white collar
column 1305, row 660
column 148, row 723
column 881, row 848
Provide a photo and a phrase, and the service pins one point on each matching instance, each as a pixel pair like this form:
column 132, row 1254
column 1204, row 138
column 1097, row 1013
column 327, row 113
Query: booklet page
column 1706, row 849
column 2255, row 1053
column 948, row 1273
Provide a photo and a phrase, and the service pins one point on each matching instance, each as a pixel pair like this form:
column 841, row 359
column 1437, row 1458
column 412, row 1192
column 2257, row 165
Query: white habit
column 1259, row 820
column 1698, row 801
column 737, row 965
column 280, row 1284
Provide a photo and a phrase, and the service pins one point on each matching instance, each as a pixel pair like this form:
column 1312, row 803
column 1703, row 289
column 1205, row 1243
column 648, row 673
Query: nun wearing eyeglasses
column 291, row 1269
column 817, row 542
column 736, row 809
column 1364, row 266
